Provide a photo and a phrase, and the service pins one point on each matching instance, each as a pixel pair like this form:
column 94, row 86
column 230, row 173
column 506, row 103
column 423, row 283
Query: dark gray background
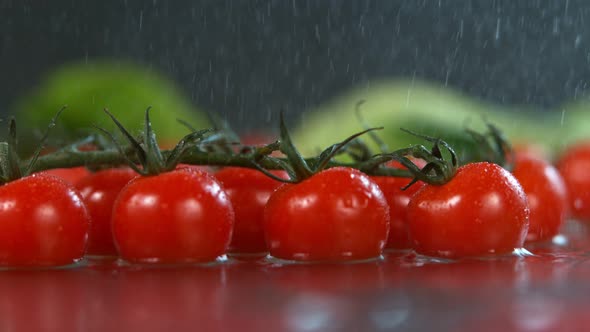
column 248, row 59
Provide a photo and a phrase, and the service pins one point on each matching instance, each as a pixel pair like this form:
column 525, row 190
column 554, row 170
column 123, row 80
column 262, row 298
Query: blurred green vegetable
column 126, row 89
column 428, row 109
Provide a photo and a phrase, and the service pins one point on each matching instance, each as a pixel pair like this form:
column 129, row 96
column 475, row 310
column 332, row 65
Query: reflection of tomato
column 546, row 196
column 173, row 217
column 529, row 313
column 167, row 299
column 248, row 190
column 99, row 191
column 42, row 222
column 481, row 211
column 328, row 278
column 336, row 215
column 398, row 200
column 573, row 239
column 44, row 301
column 573, row 166
column 550, row 266
column 467, row 275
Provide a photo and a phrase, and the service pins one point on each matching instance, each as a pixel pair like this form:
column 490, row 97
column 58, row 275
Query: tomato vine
column 202, row 147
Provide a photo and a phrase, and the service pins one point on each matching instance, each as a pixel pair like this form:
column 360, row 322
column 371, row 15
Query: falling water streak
column 556, row 26
column 498, row 23
column 317, row 33
column 140, row 20
column 409, row 94
column 447, row 77
column 562, row 117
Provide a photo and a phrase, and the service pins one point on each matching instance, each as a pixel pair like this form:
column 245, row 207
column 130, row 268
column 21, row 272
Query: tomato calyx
column 226, row 142
column 221, row 140
column 439, row 168
column 493, row 146
column 299, row 168
column 147, row 153
column 11, row 165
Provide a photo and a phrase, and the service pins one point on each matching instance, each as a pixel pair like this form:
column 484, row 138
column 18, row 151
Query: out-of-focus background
column 248, row 60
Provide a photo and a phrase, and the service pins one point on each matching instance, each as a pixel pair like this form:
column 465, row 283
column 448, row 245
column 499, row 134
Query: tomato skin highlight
column 180, row 216
column 338, row 214
column 546, row 195
column 99, row 191
column 573, row 166
column 43, row 222
column 248, row 190
column 481, row 211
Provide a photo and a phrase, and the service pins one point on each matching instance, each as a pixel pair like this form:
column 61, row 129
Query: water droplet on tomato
column 300, row 256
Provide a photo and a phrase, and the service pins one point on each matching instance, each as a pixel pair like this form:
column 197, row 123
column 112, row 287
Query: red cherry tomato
column 483, row 210
column 43, row 222
column 42, row 299
column 70, row 175
column 174, row 217
column 99, row 191
column 256, row 138
column 546, row 196
column 205, row 169
column 398, row 200
column 248, row 190
column 336, row 215
column 573, row 166
column 74, row 174
column 532, row 149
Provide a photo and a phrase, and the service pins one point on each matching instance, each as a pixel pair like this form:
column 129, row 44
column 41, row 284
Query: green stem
column 69, row 159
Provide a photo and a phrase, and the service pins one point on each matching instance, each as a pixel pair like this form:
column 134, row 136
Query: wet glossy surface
column 544, row 292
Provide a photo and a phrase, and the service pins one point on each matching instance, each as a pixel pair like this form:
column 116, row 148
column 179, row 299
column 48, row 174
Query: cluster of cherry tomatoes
column 195, row 215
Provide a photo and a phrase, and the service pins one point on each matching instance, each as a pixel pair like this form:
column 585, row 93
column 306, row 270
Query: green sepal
column 374, row 137
column 155, row 163
column 300, row 169
column 41, row 146
column 436, row 146
column 135, row 145
column 329, row 153
column 182, row 147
